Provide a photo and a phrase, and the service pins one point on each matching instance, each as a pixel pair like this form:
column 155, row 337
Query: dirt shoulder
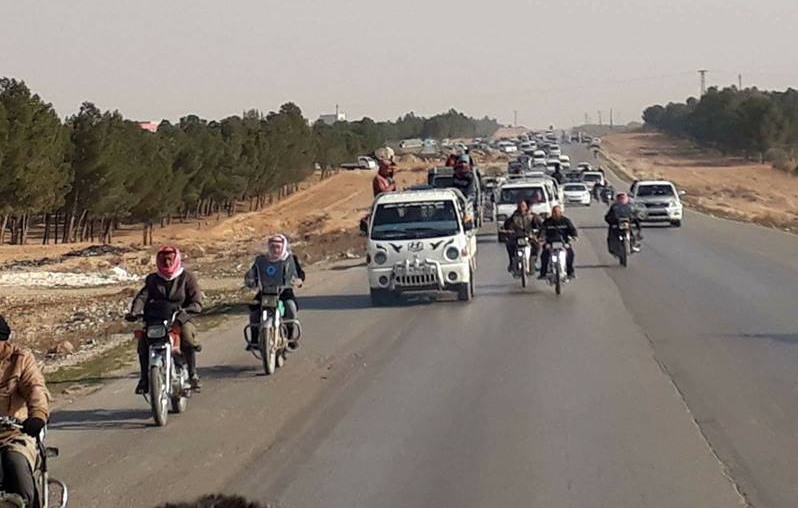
column 725, row 186
column 69, row 325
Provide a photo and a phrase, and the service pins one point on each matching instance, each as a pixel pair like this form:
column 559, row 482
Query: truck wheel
column 381, row 297
column 464, row 292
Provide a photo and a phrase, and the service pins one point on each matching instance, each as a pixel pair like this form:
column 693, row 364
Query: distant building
column 331, row 119
column 148, row 126
column 336, row 117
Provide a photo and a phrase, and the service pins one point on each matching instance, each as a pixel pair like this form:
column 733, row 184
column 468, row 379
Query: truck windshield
column 419, row 219
column 654, row 190
column 532, row 195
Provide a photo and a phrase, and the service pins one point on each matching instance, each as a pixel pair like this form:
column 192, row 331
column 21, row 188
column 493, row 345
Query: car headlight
column 156, row 331
column 452, row 253
column 380, row 258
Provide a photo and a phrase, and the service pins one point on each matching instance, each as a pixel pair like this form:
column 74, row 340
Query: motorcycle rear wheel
column 159, row 401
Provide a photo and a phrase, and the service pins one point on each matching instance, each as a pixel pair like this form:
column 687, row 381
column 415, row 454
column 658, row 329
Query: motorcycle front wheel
column 524, row 274
column 159, row 401
column 557, row 279
column 267, row 352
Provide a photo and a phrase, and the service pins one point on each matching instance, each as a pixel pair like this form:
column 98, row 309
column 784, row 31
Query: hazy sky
column 551, row 60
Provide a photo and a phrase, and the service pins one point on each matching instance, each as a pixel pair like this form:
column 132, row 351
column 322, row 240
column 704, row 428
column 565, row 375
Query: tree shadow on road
column 785, row 338
column 101, row 419
column 334, row 302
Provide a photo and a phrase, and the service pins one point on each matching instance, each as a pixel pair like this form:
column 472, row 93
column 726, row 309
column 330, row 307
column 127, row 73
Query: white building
column 331, row 119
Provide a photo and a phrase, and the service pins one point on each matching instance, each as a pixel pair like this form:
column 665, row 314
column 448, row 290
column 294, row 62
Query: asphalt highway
column 671, row 383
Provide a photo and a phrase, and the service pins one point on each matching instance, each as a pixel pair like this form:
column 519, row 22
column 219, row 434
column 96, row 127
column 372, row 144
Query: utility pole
column 515, row 118
column 599, row 118
column 739, row 82
column 703, row 74
column 611, row 123
column 587, row 119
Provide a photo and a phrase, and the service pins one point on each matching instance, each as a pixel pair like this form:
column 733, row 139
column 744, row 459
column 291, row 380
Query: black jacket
column 561, row 229
column 617, row 212
column 183, row 290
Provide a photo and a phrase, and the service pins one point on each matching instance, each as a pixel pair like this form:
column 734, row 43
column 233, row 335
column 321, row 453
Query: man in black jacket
column 621, row 210
column 558, row 228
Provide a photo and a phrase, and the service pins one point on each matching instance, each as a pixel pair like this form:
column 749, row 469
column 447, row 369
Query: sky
column 551, row 61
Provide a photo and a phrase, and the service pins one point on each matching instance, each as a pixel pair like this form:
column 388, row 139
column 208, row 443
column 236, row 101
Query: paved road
column 624, row 391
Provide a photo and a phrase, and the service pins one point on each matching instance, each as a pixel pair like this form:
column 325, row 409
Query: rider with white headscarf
column 277, row 251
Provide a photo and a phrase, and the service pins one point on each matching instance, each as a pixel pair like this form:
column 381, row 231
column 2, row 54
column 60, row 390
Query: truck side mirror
column 682, row 192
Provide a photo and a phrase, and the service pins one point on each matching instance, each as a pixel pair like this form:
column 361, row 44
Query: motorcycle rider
column 24, row 397
column 523, row 223
column 622, row 210
column 278, row 250
column 557, row 228
column 172, row 283
column 383, row 180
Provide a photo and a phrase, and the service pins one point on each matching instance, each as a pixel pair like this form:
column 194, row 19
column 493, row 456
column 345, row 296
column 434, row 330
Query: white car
column 555, row 151
column 591, row 178
column 565, row 159
column 584, row 166
column 539, row 158
column 576, row 193
column 507, row 147
column 657, row 201
column 420, row 241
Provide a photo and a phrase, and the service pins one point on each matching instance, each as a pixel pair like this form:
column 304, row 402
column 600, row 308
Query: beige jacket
column 23, row 394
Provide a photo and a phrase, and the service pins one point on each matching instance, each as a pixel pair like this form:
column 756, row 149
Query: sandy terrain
column 726, row 186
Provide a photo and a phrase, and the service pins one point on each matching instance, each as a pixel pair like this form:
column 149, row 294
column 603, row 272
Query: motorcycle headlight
column 156, row 331
column 452, row 253
column 380, row 258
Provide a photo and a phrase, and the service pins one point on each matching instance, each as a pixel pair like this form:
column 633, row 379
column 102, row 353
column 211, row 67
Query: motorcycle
column 557, row 274
column 42, row 483
column 274, row 336
column 168, row 373
column 607, row 195
column 620, row 241
column 523, row 266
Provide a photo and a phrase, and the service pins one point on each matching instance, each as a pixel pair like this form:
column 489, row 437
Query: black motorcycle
column 620, row 241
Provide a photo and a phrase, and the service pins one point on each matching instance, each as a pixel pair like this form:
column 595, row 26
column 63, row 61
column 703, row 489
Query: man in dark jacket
column 621, row 210
column 523, row 223
column 278, row 254
column 170, row 283
column 558, row 228
column 464, row 179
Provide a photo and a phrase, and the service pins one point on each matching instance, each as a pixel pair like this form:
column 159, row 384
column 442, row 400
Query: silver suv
column 657, row 201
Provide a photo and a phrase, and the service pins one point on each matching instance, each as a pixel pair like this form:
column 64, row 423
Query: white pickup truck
column 418, row 242
column 657, row 201
column 362, row 163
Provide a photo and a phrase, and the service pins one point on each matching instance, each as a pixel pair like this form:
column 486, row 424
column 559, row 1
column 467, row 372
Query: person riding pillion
column 23, row 396
column 558, row 228
column 620, row 210
column 523, row 223
column 172, row 283
column 265, row 268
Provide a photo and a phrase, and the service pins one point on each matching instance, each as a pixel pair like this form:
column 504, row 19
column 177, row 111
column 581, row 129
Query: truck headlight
column 452, row 253
column 380, row 258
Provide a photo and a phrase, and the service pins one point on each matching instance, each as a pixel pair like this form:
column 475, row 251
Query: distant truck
column 362, row 163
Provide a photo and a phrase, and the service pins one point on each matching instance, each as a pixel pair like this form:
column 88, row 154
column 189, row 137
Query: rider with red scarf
column 171, row 282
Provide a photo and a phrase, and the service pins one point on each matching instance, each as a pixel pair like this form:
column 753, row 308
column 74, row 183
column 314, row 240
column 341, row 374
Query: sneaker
column 143, row 386
column 572, row 275
column 636, row 248
column 542, row 276
column 197, row 348
column 195, row 382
